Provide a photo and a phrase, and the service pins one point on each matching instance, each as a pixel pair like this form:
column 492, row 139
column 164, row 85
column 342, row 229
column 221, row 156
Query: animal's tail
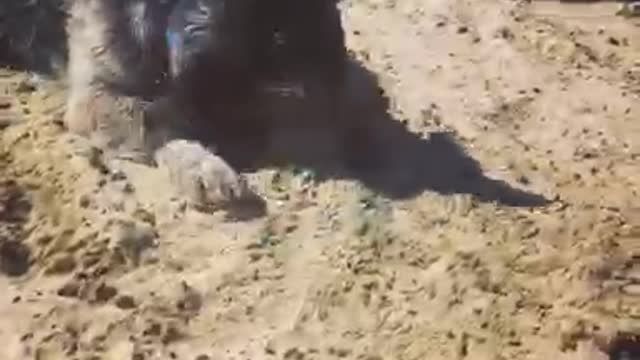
column 33, row 36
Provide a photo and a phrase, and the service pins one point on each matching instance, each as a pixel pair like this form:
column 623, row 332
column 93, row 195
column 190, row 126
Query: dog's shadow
column 399, row 163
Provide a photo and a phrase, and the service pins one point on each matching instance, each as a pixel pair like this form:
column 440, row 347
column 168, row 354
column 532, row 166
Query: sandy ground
column 447, row 252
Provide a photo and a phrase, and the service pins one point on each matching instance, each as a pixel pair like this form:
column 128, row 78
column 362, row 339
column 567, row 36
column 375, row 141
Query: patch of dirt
column 447, row 251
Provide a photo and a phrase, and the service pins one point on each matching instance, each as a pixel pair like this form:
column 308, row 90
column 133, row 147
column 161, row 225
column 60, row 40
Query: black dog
column 214, row 62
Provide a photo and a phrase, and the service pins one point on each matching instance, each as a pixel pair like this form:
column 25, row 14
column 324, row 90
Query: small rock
column 5, row 103
column 145, row 216
column 294, row 354
column 270, row 348
column 631, row 289
column 71, row 289
column 25, row 86
column 125, row 302
column 118, row 175
column 7, row 120
column 255, row 256
column 84, row 201
column 530, row 232
column 90, row 261
column 127, row 187
column 62, row 264
column 105, row 293
column 154, row 329
column 191, row 300
column 14, row 258
column 133, row 238
column 506, row 33
column 342, row 353
column 172, row 334
column 95, row 157
column 571, row 333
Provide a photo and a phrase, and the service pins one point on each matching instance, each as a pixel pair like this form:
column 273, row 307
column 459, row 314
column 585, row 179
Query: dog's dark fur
column 32, row 35
column 241, row 48
column 213, row 84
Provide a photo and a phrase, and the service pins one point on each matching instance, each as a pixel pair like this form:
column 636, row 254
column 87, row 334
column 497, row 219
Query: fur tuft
column 33, row 36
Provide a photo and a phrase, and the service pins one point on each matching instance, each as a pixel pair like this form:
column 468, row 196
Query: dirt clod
column 125, row 302
column 14, row 258
column 104, row 293
column 62, row 264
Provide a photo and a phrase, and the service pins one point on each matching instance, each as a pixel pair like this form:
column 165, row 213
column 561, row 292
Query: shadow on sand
column 399, row 164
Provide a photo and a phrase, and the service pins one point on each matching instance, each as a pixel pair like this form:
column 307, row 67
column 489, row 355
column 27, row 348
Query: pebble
column 71, row 289
column 62, row 264
column 125, row 302
column 631, row 289
column 26, row 86
column 134, row 237
column 14, row 258
column 5, row 103
column 105, row 293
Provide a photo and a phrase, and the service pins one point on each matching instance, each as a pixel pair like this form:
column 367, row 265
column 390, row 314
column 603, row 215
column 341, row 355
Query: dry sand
column 445, row 253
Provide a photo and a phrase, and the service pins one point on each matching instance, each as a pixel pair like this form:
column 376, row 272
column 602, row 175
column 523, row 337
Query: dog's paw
column 203, row 178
